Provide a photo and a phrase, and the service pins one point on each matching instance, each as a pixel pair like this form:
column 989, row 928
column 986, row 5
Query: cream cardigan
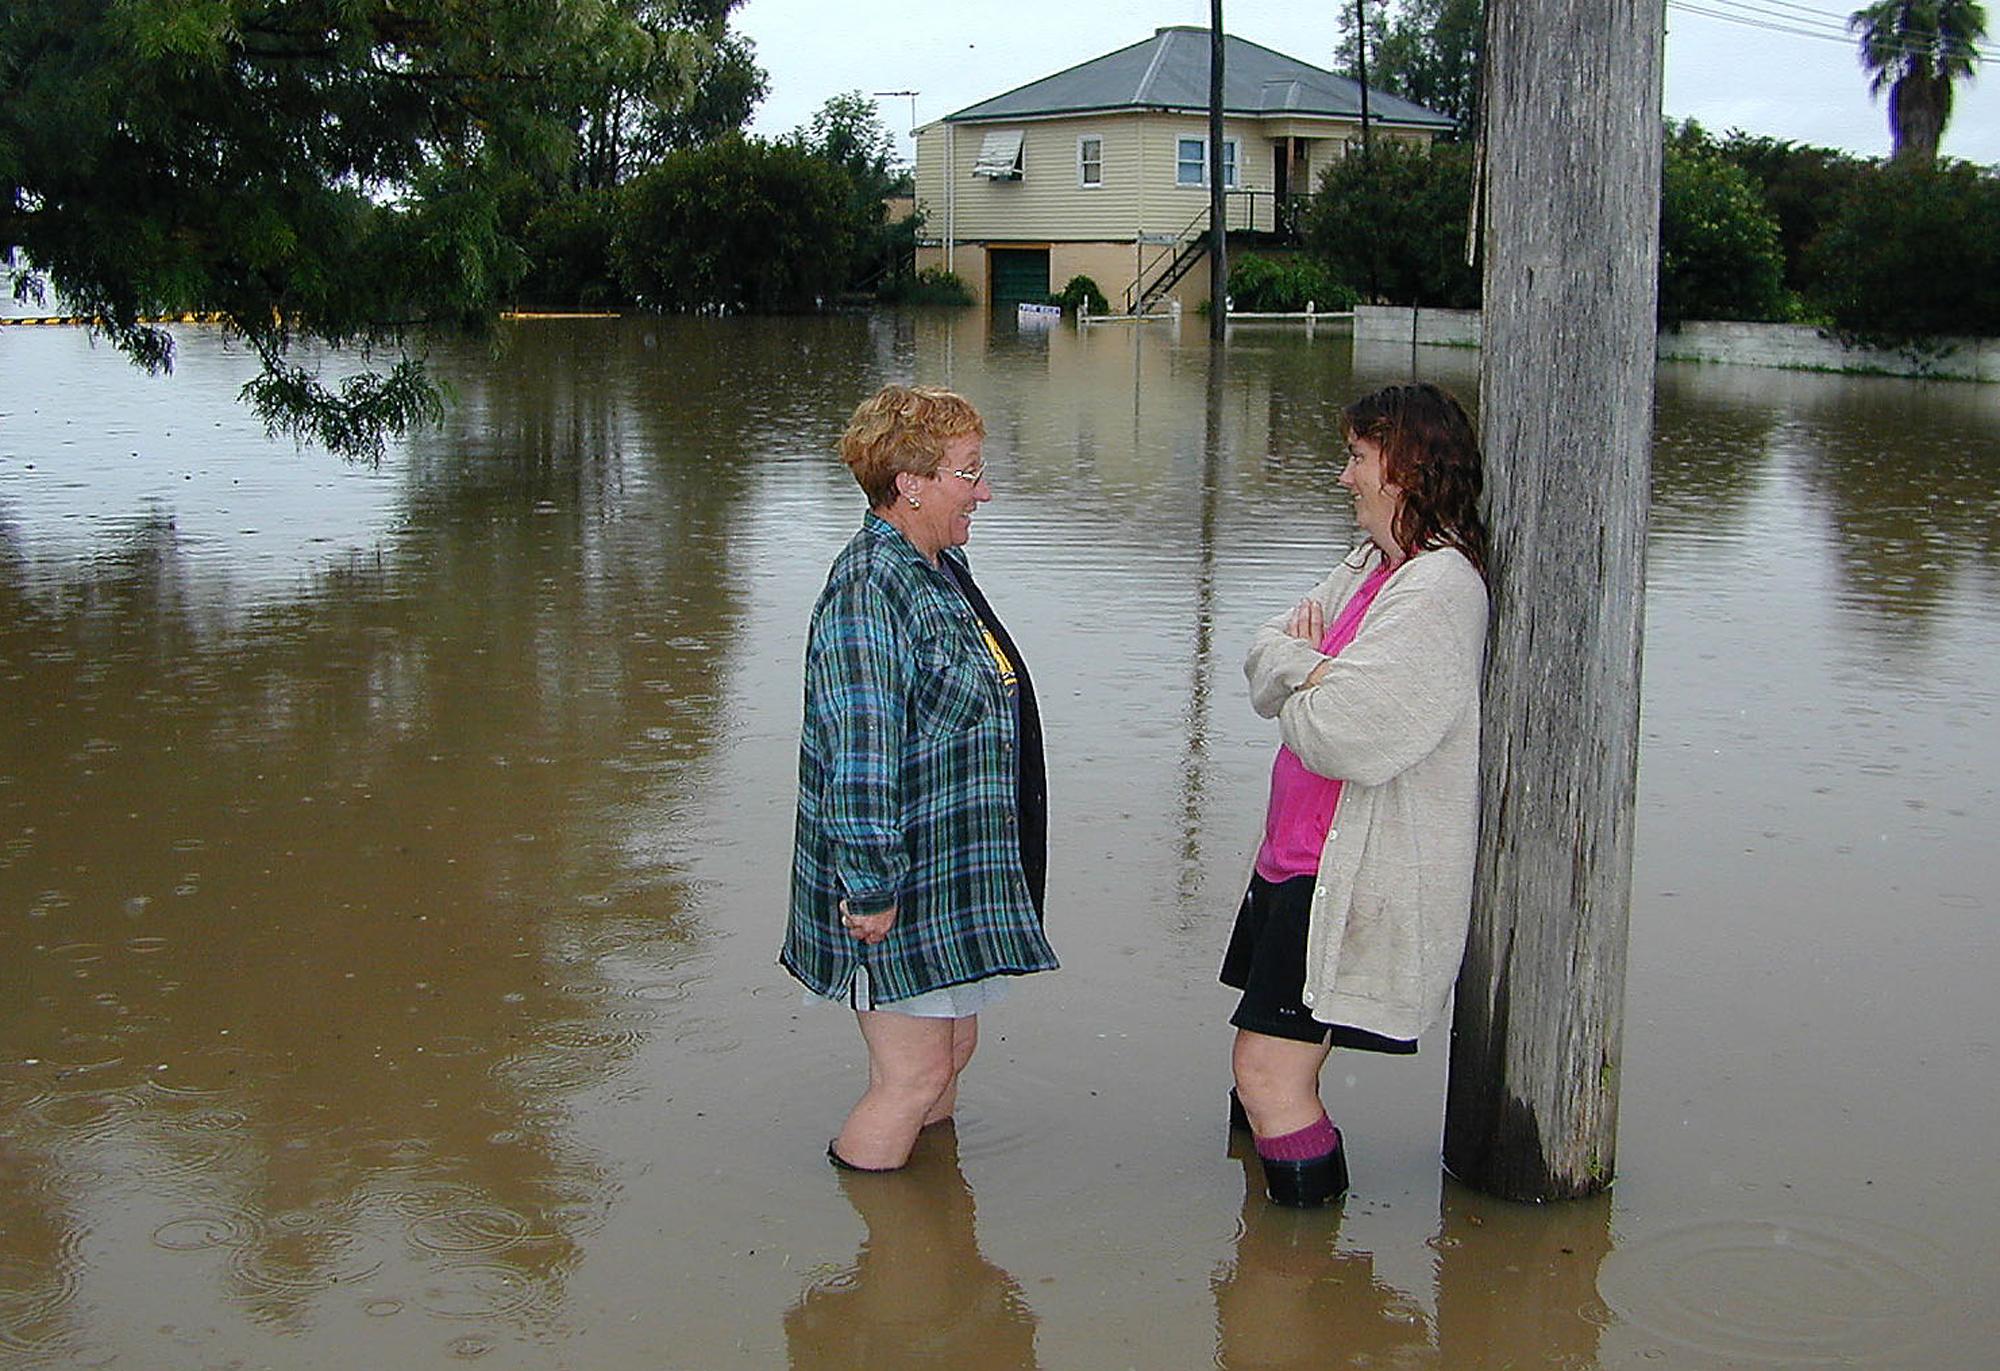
column 1396, row 717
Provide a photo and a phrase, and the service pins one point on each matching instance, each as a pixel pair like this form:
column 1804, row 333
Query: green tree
column 1919, row 49
column 1394, row 225
column 848, row 133
column 1348, row 16
column 1802, row 186
column 1913, row 255
column 568, row 245
column 324, row 171
column 1719, row 251
column 690, row 82
column 1423, row 50
column 1429, row 53
column 739, row 225
column 727, row 90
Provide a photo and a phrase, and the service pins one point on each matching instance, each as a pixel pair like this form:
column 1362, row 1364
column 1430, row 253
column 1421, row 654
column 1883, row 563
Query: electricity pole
column 1566, row 411
column 1218, row 194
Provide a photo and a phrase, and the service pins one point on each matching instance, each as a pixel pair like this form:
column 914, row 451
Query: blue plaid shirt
column 911, row 782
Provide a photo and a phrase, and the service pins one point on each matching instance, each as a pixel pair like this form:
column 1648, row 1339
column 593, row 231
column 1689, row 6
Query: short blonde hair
column 903, row 428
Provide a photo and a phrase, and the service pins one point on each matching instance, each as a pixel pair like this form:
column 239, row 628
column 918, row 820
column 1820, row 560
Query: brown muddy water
column 392, row 862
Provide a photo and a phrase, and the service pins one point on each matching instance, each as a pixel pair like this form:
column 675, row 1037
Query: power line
column 1772, row 16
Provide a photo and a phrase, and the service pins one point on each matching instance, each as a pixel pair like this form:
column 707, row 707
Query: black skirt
column 1266, row 960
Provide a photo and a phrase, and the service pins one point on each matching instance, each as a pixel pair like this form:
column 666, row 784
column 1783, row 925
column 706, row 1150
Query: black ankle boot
column 1304, row 1185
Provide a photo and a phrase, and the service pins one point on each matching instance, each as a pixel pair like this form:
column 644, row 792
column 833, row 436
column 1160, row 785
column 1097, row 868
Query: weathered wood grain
column 1572, row 137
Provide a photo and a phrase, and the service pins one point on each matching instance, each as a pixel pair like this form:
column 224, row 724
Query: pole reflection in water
column 1513, row 1285
column 1517, row 1283
column 1201, row 667
column 919, row 1292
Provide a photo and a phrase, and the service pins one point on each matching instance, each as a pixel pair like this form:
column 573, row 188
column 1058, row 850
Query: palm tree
column 1918, row 49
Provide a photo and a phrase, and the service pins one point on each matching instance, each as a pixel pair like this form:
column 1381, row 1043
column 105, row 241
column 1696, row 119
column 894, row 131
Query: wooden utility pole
column 1572, row 141
column 1218, row 194
column 1361, row 73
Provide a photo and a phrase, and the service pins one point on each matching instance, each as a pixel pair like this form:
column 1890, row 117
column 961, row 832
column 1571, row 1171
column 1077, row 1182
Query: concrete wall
column 1801, row 347
column 1796, row 347
column 1453, row 328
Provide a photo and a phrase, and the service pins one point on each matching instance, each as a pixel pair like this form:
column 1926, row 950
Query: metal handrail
column 1194, row 230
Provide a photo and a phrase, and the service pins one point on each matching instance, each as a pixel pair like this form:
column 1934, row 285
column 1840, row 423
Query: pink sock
column 1314, row 1140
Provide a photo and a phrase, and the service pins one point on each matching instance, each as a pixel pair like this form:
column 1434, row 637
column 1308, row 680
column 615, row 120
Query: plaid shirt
column 910, row 782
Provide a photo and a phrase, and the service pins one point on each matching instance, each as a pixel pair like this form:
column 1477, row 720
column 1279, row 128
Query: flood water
column 392, row 862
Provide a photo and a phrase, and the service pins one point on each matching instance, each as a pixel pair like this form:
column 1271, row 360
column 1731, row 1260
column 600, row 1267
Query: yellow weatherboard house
column 1101, row 170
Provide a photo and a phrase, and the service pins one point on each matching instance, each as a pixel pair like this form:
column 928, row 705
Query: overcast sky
column 1753, row 76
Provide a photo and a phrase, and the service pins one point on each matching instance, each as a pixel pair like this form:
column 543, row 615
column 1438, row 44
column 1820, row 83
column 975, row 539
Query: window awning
column 1000, row 156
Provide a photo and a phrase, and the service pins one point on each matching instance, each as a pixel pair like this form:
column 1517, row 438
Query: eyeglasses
column 972, row 477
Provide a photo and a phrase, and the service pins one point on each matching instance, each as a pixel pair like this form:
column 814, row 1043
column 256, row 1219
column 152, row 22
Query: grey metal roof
column 1170, row 71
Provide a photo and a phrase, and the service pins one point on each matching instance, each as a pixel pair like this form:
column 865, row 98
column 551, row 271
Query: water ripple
column 482, row 1290
column 86, row 1116
column 35, row 1301
column 200, row 1232
column 569, row 1056
column 469, row 1228
column 1808, row 1291
column 300, row 1264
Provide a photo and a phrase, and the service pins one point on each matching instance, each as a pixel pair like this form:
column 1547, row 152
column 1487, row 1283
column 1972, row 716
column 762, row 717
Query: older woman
column 917, row 873
column 1354, row 924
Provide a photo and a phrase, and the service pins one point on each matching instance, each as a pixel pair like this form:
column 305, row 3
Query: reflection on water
column 918, row 1293
column 1897, row 476
column 323, row 906
column 1519, row 1282
column 1509, row 1285
column 391, row 862
column 1293, row 1298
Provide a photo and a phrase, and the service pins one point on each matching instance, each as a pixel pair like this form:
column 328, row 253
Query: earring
column 913, row 502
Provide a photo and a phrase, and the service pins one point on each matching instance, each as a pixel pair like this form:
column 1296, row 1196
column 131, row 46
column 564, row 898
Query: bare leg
column 909, row 1068
column 964, row 1040
column 1278, row 1081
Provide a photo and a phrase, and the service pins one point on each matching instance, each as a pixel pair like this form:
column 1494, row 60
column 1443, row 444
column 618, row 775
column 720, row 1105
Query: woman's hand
column 868, row 928
column 1308, row 622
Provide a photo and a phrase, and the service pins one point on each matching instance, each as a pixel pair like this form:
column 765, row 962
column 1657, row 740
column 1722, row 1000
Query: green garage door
column 1018, row 274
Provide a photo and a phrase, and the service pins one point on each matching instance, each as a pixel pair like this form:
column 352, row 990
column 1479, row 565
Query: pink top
column 1302, row 802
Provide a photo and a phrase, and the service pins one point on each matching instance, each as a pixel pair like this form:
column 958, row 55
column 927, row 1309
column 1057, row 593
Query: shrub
column 1081, row 291
column 931, row 286
column 568, row 244
column 1719, row 252
column 1285, row 285
column 738, row 224
column 1803, row 187
column 1913, row 254
column 1393, row 223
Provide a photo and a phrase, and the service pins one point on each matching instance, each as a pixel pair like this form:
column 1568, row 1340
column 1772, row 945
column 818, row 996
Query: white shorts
column 952, row 1002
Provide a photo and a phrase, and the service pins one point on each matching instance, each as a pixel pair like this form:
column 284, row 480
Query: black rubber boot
column 846, row 1165
column 1307, row 1184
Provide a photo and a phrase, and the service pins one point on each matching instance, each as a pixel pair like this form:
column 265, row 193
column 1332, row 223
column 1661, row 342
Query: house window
column 1090, row 160
column 999, row 156
column 1191, row 162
